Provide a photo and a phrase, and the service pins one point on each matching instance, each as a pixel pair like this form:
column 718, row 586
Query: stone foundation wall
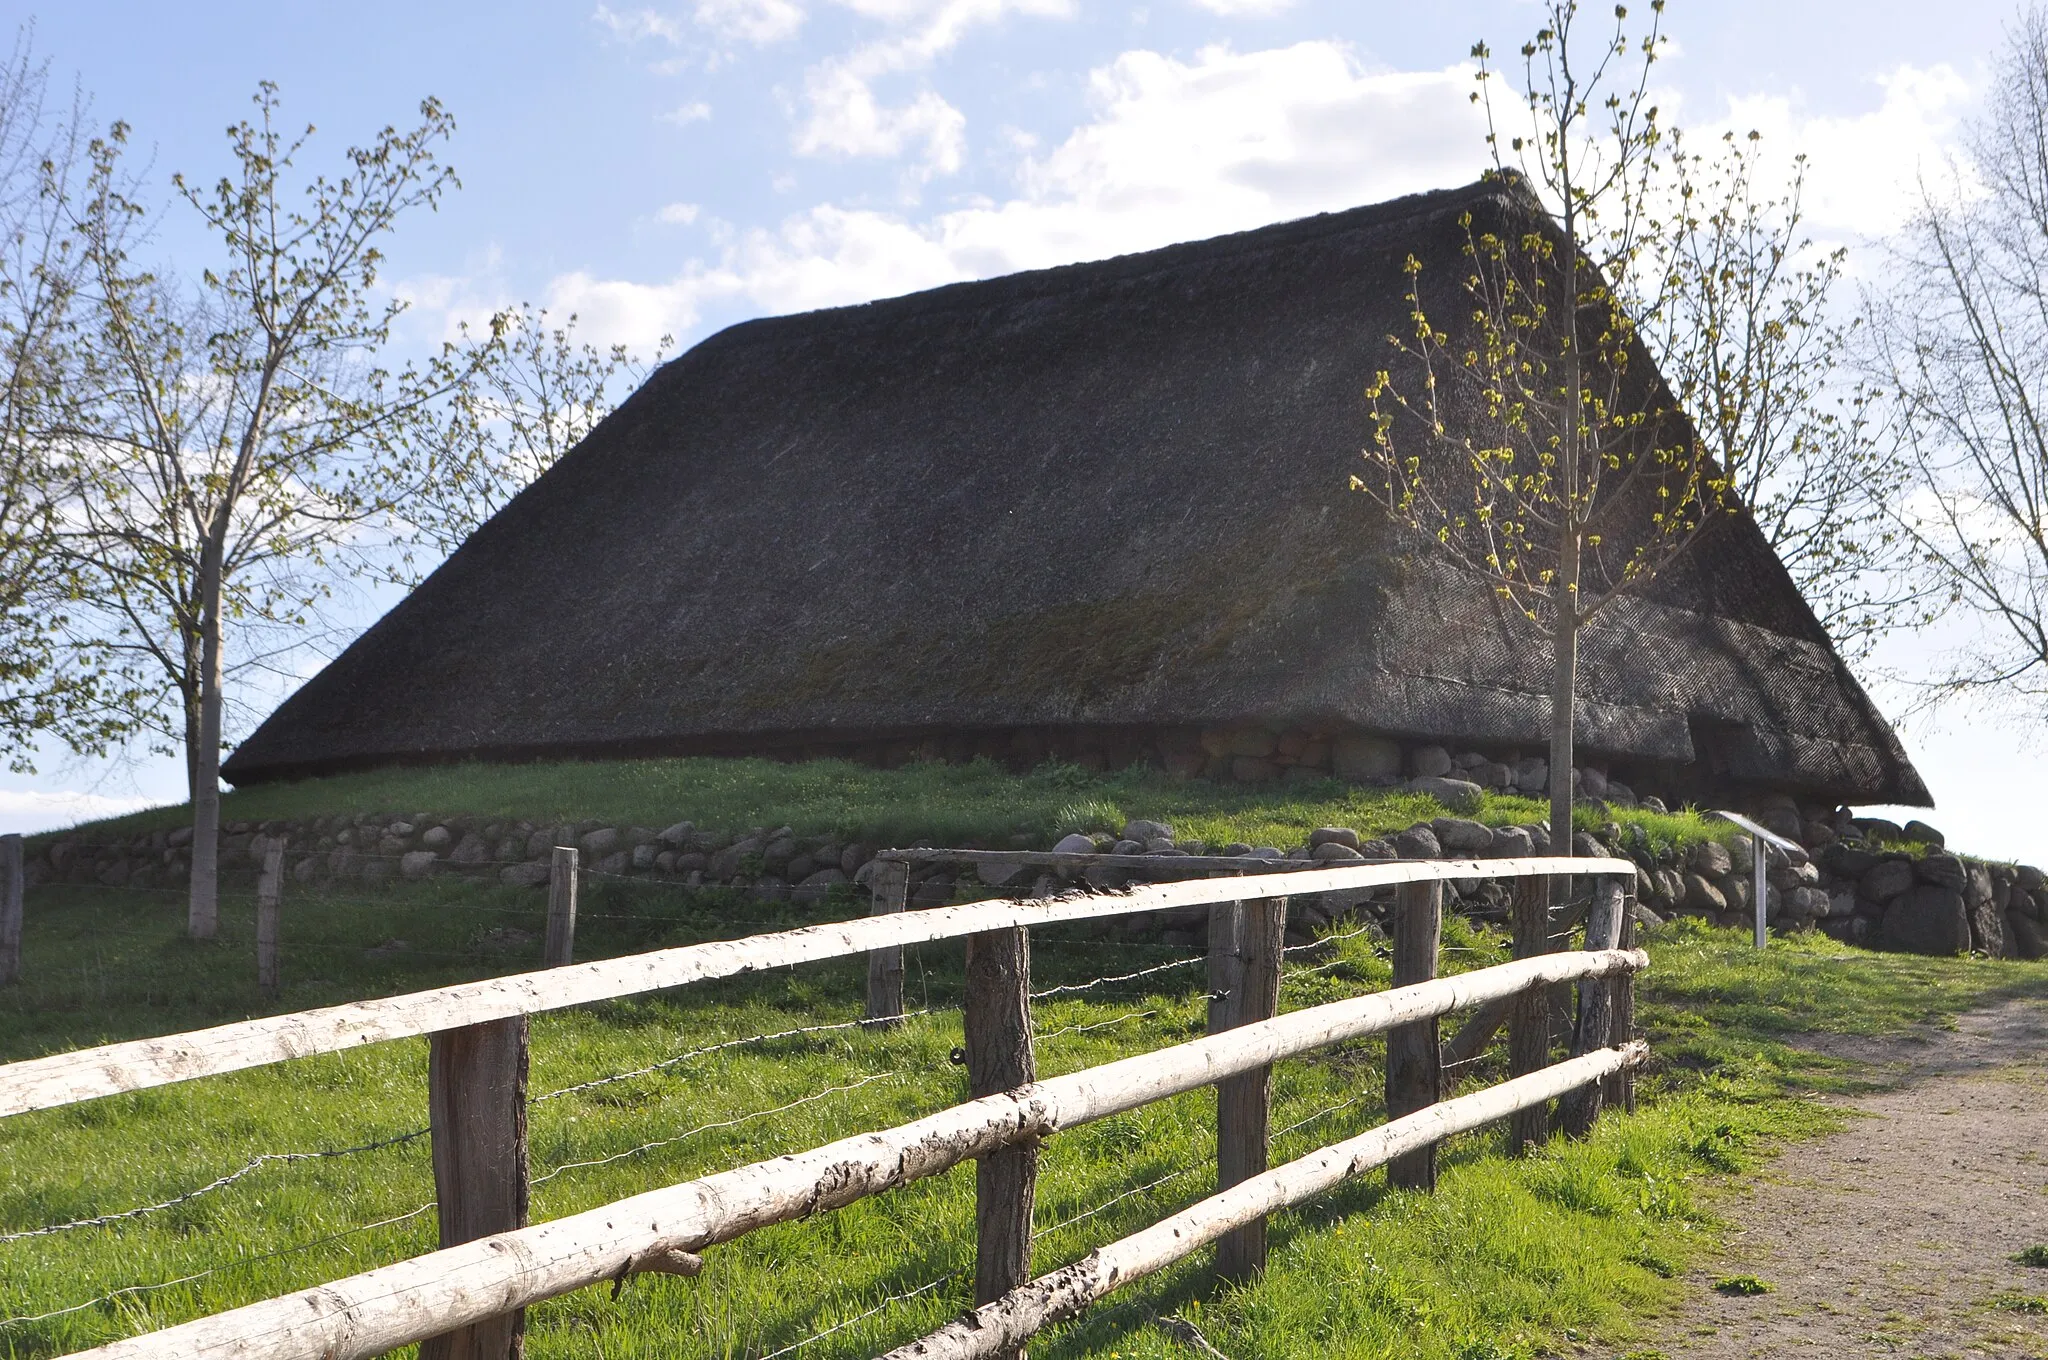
column 1864, row 882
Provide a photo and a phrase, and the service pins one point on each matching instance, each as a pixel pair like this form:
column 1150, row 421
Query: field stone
column 1593, row 782
column 437, row 838
column 1923, row 833
column 1418, row 842
column 1339, row 835
column 418, row 863
column 1930, row 919
column 1139, row 830
column 1511, row 842
column 817, row 886
column 1943, row 871
column 2027, row 938
column 2030, row 878
column 1335, row 852
column 1532, row 774
column 676, row 835
column 1073, row 844
column 1366, row 758
column 309, row 868
column 472, row 849
column 1125, row 847
column 1987, row 927
column 643, row 856
column 1459, row 795
column 1379, row 847
column 1701, row 895
column 599, row 843
column 524, row 875
column 1459, row 836
column 1711, row 859
column 858, row 853
column 1886, row 880
column 1431, row 761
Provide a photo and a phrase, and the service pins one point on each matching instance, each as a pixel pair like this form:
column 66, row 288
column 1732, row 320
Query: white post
column 1758, row 887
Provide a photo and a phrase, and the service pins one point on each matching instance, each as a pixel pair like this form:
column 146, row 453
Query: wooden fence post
column 12, row 907
column 269, row 889
column 1621, row 1086
column 1580, row 1110
column 562, row 875
column 999, row 1058
column 1245, row 943
column 1529, row 1021
column 476, row 1105
column 891, row 887
column 1414, row 1060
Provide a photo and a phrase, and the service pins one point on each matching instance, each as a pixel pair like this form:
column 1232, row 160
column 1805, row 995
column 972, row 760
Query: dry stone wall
column 1862, row 881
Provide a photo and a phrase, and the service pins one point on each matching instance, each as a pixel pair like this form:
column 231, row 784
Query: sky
column 667, row 170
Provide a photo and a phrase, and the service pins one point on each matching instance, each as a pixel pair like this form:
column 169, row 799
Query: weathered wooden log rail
column 466, row 1298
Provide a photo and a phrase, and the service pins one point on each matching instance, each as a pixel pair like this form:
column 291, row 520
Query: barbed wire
column 218, row 1183
column 1115, row 1200
column 238, row 1262
column 1102, row 1024
column 815, row 1096
column 713, row 1048
column 883, row 1306
column 1067, row 989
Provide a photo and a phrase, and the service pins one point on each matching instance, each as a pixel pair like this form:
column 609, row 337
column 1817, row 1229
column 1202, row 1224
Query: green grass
column 1508, row 1259
column 945, row 804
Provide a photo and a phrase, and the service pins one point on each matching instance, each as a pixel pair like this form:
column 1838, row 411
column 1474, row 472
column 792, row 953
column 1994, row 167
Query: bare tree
column 227, row 456
column 1637, row 348
column 1962, row 339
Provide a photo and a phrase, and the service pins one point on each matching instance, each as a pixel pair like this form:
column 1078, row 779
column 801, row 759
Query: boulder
column 1593, row 782
column 1923, row 833
column 1885, row 880
column 1943, row 871
column 1126, row 848
column 1340, row 835
column 599, row 843
column 1806, row 904
column 1418, row 842
column 1511, row 842
column 471, row 849
column 1878, row 829
column 1987, row 925
column 437, row 838
column 816, row 887
column 1701, row 895
column 1711, row 859
column 1365, row 758
column 2027, row 939
column 418, row 863
column 643, row 856
column 1929, row 919
column 1253, row 770
column 1334, row 852
column 1143, row 831
column 524, row 875
column 1532, row 775
column 1459, row 795
column 1460, row 836
column 1431, row 761
column 617, row 862
column 1073, row 843
column 1378, row 848
column 679, row 834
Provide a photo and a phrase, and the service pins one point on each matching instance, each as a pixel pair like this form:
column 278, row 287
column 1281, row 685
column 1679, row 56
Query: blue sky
column 676, row 167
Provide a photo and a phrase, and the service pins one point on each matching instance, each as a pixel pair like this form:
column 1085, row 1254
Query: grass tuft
column 1743, row 1286
column 2036, row 1255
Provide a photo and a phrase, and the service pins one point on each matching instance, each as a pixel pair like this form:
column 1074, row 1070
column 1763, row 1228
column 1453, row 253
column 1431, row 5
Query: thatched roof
column 1110, row 493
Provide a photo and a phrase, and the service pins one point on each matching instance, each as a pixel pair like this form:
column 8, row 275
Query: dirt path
column 1895, row 1236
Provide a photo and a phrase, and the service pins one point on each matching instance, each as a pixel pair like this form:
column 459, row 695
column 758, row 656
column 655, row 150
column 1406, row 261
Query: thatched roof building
column 1098, row 511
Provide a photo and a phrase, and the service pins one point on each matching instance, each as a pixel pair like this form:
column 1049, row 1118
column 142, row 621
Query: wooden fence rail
column 1000, row 1327
column 662, row 1230
column 85, row 1074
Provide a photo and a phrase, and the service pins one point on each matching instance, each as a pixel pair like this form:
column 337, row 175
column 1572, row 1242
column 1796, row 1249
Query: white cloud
column 1175, row 150
column 1246, row 9
column 847, row 118
column 1863, row 169
column 754, row 21
column 678, row 214
column 27, row 811
column 695, row 112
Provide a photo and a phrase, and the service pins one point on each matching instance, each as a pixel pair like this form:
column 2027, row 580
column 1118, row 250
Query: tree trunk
column 203, row 914
column 1564, row 623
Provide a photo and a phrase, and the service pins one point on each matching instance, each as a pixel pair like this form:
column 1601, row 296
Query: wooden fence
column 466, row 1299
